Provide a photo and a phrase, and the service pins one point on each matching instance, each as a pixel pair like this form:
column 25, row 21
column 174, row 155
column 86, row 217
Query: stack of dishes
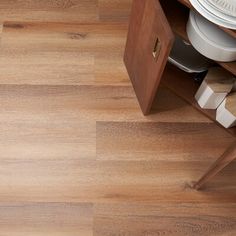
column 208, row 39
column 220, row 12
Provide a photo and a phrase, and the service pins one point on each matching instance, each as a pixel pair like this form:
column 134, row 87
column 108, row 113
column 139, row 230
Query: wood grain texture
column 118, row 10
column 49, row 11
column 58, row 54
column 230, row 104
column 165, row 219
column 64, row 92
column 142, row 182
column 48, row 148
column 46, row 219
column 160, row 141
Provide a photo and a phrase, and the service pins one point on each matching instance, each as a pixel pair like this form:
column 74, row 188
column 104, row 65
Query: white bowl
column 210, row 40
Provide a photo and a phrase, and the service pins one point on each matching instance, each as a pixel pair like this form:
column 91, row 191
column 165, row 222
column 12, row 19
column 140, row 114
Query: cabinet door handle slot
column 157, row 49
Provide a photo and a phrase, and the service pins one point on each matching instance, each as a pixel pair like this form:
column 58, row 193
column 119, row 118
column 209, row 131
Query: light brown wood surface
column 219, row 80
column 46, row 219
column 231, row 103
column 164, row 219
column 77, row 155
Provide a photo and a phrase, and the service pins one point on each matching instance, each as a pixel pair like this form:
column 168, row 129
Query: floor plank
column 46, row 219
column 160, row 141
column 58, row 54
column 49, row 11
column 89, row 103
column 58, row 122
column 42, row 180
column 165, row 219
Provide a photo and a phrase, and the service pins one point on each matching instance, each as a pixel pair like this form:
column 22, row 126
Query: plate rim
column 224, row 10
column 211, row 9
column 211, row 17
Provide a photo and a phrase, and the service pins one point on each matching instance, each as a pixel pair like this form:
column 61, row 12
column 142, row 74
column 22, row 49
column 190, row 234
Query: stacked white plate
column 220, row 12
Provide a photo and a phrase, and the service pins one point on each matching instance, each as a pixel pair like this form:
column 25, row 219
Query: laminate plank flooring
column 49, row 10
column 158, row 141
column 77, row 155
column 46, row 219
column 62, row 54
column 164, row 219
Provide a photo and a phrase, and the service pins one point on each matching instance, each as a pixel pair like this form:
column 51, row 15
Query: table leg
column 223, row 161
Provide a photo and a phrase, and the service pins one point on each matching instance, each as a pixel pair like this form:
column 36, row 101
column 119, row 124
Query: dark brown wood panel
column 148, row 25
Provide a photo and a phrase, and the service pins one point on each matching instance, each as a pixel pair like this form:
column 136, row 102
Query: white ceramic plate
column 217, row 13
column 211, row 17
column 226, row 6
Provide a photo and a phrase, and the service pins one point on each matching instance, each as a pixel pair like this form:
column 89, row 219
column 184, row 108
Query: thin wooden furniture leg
column 223, row 161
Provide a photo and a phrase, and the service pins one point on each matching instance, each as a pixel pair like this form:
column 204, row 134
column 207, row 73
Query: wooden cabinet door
column 149, row 42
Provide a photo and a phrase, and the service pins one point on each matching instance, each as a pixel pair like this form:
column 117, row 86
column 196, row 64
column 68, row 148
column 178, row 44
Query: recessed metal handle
column 157, row 48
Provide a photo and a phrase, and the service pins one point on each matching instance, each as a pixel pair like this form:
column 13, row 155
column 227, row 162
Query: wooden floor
column 77, row 155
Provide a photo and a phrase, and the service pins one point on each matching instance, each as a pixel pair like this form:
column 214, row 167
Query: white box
column 226, row 112
column 215, row 87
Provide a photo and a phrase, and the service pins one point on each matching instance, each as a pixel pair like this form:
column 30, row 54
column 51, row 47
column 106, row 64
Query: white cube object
column 226, row 112
column 215, row 87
